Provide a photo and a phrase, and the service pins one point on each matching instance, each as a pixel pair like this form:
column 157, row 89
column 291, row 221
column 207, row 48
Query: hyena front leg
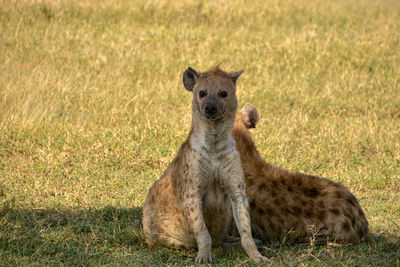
column 240, row 206
column 194, row 213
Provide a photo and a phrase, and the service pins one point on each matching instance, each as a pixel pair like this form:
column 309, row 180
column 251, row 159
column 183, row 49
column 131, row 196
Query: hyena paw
column 204, row 257
column 260, row 258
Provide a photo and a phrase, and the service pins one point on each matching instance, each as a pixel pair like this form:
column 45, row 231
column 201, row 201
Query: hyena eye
column 223, row 94
column 202, row 93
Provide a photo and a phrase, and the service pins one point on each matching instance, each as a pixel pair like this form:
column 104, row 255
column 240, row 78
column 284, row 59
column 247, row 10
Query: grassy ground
column 92, row 110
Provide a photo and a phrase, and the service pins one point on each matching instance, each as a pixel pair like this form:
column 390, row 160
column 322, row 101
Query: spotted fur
column 291, row 205
column 203, row 189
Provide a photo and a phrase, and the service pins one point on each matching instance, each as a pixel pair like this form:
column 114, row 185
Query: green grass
column 92, row 110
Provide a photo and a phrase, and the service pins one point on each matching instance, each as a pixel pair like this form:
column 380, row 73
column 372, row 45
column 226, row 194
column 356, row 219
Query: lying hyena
column 191, row 204
column 290, row 205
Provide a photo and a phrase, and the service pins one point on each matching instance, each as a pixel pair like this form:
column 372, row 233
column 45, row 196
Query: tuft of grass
column 92, row 110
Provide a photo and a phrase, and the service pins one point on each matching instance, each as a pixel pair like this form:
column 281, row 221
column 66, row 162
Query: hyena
column 193, row 202
column 294, row 206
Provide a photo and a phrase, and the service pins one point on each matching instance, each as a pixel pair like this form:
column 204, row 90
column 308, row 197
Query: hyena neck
column 212, row 135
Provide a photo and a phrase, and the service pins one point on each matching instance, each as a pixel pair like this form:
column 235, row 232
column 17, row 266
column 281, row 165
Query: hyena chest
column 213, row 162
column 213, row 170
column 215, row 198
column 217, row 211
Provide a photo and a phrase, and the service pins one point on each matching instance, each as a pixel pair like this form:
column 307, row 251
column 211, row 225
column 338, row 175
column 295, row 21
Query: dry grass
column 92, row 110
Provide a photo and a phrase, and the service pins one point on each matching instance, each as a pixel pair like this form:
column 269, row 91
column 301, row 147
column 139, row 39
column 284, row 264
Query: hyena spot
column 286, row 210
column 261, row 211
column 280, row 202
column 360, row 212
column 274, row 183
column 322, row 215
column 309, row 213
column 311, row 192
column 252, row 205
column 296, row 211
column 250, row 182
column 289, row 188
column 297, row 180
column 262, row 187
column 339, row 194
column 352, row 201
column 334, row 211
column 263, row 227
column 360, row 232
column 269, row 211
column 346, row 226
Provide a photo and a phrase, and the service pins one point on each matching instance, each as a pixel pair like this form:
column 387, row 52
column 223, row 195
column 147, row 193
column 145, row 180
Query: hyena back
column 294, row 206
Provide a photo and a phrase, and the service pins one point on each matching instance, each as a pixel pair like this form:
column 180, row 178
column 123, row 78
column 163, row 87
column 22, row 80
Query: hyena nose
column 211, row 108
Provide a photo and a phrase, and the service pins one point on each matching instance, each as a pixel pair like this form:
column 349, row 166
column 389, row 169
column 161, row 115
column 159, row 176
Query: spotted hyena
column 291, row 205
column 193, row 202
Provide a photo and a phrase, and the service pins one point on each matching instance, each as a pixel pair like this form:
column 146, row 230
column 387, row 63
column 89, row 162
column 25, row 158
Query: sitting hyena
column 293, row 206
column 191, row 204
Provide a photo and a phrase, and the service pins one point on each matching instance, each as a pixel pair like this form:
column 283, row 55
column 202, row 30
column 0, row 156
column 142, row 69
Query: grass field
column 92, row 110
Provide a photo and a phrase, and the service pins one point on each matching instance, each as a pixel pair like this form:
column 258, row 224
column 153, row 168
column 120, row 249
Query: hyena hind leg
column 176, row 242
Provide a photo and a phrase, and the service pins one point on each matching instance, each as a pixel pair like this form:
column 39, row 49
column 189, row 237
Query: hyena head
column 214, row 92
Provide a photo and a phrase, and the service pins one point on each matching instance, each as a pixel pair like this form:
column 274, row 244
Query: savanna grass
column 92, row 109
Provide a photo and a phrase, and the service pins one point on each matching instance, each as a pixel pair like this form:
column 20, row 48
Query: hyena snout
column 212, row 111
column 210, row 108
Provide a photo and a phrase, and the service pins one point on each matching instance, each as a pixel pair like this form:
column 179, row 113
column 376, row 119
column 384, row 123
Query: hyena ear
column 190, row 77
column 235, row 75
column 250, row 116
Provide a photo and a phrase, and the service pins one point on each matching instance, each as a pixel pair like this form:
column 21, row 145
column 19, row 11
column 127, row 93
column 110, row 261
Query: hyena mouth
column 212, row 117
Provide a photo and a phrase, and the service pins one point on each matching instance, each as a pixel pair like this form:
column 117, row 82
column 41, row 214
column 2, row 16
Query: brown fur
column 291, row 205
column 203, row 189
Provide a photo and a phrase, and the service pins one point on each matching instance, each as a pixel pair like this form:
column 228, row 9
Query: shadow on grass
column 114, row 235
column 73, row 236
